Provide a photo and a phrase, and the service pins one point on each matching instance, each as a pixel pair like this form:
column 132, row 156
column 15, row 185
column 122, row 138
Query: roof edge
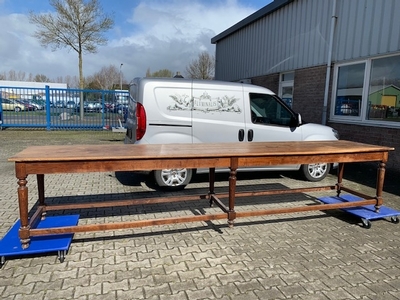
column 266, row 10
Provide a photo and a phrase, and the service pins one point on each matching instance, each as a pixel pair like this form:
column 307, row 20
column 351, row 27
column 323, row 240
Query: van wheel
column 315, row 172
column 173, row 179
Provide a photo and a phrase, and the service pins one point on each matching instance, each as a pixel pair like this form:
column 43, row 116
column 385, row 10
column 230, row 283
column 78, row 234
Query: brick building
column 337, row 62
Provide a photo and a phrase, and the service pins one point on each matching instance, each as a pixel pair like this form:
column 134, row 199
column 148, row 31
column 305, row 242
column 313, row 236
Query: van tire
column 173, row 179
column 315, row 172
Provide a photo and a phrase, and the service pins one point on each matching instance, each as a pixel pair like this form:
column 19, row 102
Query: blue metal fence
column 62, row 109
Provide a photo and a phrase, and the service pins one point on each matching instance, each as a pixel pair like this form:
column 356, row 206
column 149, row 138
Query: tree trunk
column 81, row 85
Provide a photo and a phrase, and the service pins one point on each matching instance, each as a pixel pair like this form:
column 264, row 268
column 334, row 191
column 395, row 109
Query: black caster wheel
column 61, row 256
column 366, row 223
column 394, row 219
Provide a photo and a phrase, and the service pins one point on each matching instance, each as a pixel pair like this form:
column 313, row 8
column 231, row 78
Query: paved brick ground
column 314, row 255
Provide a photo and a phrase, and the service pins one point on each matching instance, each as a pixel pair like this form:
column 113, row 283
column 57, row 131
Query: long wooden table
column 41, row 160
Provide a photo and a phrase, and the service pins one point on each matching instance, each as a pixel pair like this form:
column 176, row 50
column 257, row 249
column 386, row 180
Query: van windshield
column 267, row 109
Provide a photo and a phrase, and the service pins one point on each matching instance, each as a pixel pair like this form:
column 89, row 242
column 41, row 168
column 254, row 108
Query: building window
column 286, row 83
column 349, row 90
column 384, row 90
column 368, row 91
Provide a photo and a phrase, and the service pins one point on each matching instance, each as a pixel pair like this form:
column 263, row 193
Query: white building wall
column 31, row 84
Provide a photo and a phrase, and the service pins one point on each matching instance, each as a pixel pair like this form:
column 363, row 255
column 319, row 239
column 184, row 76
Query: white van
column 177, row 110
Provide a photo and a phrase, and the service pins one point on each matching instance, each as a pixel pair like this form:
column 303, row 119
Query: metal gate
column 62, row 109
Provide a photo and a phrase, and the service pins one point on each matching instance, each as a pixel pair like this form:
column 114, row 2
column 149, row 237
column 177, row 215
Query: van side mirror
column 295, row 120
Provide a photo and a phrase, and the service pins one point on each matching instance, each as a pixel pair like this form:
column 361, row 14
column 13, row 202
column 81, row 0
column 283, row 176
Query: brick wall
column 269, row 81
column 389, row 137
column 308, row 93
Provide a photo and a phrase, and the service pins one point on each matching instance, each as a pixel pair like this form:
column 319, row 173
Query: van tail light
column 141, row 121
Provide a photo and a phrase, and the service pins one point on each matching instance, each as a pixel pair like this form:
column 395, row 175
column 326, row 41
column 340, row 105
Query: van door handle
column 250, row 135
column 241, row 135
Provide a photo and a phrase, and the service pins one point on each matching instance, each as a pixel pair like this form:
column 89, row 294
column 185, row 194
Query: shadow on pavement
column 366, row 174
column 130, row 178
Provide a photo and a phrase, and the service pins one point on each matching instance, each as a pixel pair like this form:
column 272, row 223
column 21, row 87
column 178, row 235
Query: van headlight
column 335, row 133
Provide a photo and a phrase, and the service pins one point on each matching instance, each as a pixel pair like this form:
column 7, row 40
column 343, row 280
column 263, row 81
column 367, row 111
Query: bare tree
column 21, row 76
column 71, row 81
column 12, row 75
column 160, row 73
column 106, row 77
column 203, row 67
column 30, row 77
column 77, row 24
column 148, row 72
column 59, row 79
column 41, row 78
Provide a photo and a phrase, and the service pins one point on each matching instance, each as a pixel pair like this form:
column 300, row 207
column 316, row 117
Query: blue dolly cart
column 366, row 213
column 10, row 245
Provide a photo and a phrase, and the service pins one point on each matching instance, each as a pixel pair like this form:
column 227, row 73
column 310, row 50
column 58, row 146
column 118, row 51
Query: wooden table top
column 126, row 152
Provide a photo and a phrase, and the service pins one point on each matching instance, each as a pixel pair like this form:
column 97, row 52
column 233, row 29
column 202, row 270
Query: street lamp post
column 120, row 77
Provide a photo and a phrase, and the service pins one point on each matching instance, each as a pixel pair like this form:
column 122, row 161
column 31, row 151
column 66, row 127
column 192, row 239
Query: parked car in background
column 121, row 109
column 98, row 106
column 71, row 104
column 59, row 104
column 40, row 104
column 28, row 104
column 109, row 107
column 89, row 106
column 9, row 104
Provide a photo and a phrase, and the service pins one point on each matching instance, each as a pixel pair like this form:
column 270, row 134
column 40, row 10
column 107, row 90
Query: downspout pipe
column 328, row 66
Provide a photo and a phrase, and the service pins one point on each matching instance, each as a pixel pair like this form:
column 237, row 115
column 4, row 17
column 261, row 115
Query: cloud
column 21, row 52
column 156, row 35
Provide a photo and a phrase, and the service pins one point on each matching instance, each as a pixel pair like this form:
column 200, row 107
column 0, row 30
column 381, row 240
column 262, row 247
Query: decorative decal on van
column 205, row 103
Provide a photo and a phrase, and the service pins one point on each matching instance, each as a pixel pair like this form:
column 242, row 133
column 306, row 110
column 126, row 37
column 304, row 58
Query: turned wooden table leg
column 339, row 184
column 379, row 185
column 211, row 176
column 232, row 191
column 23, row 212
column 40, row 183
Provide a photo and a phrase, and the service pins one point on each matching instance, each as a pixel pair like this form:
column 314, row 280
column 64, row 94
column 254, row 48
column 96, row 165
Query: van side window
column 267, row 109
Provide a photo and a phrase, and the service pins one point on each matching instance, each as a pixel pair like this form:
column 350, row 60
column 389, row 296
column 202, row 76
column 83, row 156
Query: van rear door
column 168, row 111
column 218, row 112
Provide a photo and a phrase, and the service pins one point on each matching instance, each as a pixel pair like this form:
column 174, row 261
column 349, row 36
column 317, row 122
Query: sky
column 147, row 34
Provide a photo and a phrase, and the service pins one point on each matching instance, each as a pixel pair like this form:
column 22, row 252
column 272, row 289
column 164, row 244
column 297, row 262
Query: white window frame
column 286, row 83
column 362, row 118
column 334, row 93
